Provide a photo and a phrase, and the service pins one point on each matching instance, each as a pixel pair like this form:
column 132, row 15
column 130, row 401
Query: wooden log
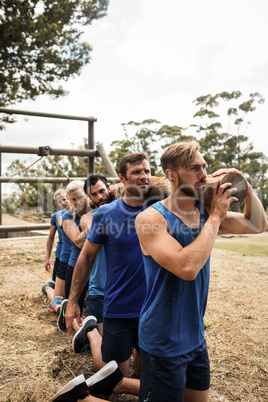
column 160, row 188
column 237, row 181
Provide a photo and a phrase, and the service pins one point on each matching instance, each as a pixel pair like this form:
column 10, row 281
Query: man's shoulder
column 149, row 214
column 104, row 210
column 59, row 213
column 67, row 215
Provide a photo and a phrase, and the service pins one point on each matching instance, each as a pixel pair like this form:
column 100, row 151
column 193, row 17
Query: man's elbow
column 188, row 273
column 261, row 226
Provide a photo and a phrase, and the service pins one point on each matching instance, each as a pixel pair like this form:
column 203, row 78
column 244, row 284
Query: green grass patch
column 246, row 245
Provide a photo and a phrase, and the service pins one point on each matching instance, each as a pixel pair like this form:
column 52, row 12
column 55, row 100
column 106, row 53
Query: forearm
column 81, row 275
column 254, row 211
column 80, row 240
column 191, row 259
column 49, row 247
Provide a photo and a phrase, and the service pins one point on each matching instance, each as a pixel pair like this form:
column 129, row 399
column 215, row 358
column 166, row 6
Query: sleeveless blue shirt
column 171, row 321
column 54, row 222
column 75, row 251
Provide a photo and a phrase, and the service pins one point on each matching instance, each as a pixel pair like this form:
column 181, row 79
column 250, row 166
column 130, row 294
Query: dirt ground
column 36, row 359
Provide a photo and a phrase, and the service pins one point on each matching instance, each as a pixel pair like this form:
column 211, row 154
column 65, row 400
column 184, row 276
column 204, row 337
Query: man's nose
column 203, row 174
column 143, row 175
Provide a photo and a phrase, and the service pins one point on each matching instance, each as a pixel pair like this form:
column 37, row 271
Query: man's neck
column 133, row 201
column 180, row 203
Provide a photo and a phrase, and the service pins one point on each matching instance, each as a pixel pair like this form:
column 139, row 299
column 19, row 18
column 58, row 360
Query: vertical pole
column 0, row 189
column 91, row 145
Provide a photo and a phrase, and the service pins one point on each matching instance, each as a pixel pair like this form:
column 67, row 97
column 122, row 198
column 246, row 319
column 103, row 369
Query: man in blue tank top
column 113, row 225
column 176, row 237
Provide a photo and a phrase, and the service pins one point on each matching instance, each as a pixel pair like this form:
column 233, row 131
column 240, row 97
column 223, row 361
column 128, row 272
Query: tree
column 224, row 142
column 40, row 45
column 139, row 137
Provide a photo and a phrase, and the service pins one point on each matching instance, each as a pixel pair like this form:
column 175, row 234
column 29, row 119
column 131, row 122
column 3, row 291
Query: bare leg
column 59, row 287
column 124, row 367
column 95, row 340
column 75, row 326
column 128, row 386
column 50, row 293
column 192, row 395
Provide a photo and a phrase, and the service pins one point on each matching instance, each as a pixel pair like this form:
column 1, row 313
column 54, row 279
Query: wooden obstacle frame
column 91, row 152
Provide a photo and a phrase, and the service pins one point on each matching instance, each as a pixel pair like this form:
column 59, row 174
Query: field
column 37, row 359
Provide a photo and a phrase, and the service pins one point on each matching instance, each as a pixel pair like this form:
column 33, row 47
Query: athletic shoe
column 102, row 383
column 80, row 342
column 57, row 300
column 105, row 380
column 51, row 284
column 61, row 317
column 72, row 391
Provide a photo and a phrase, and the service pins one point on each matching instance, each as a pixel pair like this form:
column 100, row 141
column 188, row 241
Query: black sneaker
column 61, row 317
column 80, row 342
column 105, row 380
column 101, row 383
column 72, row 391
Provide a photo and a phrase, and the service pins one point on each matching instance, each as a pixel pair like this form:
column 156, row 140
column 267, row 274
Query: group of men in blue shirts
column 157, row 264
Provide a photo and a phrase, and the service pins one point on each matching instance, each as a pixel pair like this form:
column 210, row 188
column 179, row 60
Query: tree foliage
column 41, row 45
column 224, row 142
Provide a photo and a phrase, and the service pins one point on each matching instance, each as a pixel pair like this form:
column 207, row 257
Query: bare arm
column 86, row 222
column 252, row 220
column 184, row 262
column 74, row 234
column 50, row 242
column 82, row 271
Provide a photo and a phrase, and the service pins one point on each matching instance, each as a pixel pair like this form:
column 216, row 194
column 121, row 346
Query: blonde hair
column 74, row 185
column 60, row 191
column 180, row 154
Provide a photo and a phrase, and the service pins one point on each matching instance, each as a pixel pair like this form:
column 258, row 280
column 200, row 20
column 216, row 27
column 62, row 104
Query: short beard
column 190, row 190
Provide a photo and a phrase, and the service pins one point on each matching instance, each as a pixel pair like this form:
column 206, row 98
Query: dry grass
column 36, row 358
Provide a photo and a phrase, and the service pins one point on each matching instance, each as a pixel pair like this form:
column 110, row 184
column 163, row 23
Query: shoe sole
column 103, row 373
column 63, row 304
column 69, row 386
column 90, row 317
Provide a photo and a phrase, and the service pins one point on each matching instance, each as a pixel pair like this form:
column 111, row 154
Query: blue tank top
column 171, row 321
column 113, row 225
column 75, row 251
column 54, row 222
column 66, row 244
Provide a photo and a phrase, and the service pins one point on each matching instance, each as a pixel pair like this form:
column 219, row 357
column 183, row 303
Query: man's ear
column 122, row 178
column 170, row 175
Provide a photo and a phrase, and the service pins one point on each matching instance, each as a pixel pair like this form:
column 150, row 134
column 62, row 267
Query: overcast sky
column 151, row 59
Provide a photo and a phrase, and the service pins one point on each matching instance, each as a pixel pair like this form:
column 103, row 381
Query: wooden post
column 91, row 163
column 106, row 160
column 0, row 189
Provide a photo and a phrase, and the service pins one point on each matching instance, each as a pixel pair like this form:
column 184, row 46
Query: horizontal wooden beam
column 24, row 228
column 50, row 115
column 49, row 151
column 42, row 180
